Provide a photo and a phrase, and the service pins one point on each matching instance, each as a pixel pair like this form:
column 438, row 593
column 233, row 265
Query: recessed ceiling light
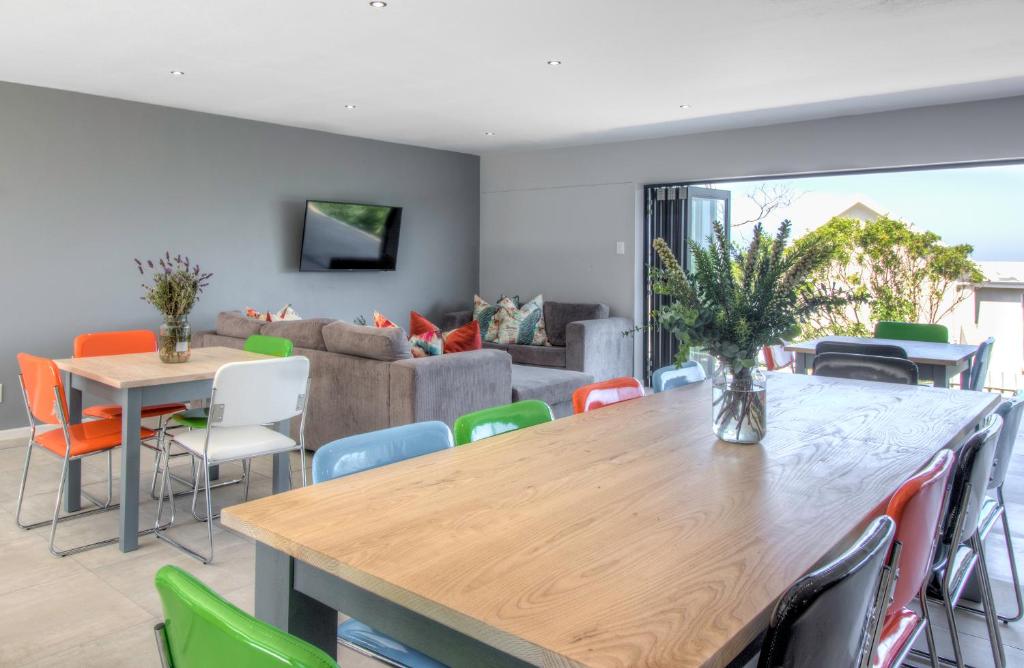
column 350, row 106
column 489, row 133
column 684, row 106
column 554, row 62
column 378, row 4
column 177, row 73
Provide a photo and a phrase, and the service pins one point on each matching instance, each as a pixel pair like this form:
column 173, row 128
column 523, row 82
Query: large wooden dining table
column 137, row 380
column 628, row 536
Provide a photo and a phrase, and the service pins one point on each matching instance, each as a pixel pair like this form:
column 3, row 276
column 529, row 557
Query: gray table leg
column 803, row 362
column 279, row 604
column 131, row 412
column 73, row 489
column 938, row 374
column 214, row 472
column 281, row 479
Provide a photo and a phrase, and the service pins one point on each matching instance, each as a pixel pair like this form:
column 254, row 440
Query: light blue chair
column 671, row 376
column 979, row 366
column 360, row 453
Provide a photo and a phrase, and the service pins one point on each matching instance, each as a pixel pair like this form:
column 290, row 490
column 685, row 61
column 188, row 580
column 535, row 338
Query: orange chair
column 605, row 393
column 917, row 507
column 46, row 403
column 96, row 344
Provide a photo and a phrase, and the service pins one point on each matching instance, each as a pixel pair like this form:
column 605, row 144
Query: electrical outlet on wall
column 620, row 247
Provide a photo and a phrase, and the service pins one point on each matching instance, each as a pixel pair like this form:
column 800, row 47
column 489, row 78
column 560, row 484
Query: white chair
column 672, row 376
column 777, row 357
column 245, row 397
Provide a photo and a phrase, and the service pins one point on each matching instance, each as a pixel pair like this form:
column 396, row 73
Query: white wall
column 550, row 217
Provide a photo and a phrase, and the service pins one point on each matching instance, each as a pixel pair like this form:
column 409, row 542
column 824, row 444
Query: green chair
column 195, row 418
column 202, row 629
column 489, row 422
column 911, row 331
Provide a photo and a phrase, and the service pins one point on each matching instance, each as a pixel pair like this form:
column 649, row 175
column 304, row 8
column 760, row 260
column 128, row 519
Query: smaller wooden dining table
column 937, row 362
column 138, row 380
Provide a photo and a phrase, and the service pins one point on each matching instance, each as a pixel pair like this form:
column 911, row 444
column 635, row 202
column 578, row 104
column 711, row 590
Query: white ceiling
column 441, row 73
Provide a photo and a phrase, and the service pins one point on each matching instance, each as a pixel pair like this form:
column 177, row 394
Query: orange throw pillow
column 380, row 321
column 463, row 339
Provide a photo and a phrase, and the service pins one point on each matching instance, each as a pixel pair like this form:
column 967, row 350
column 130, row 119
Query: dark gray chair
column 866, row 367
column 961, row 549
column 979, row 367
column 880, row 349
column 994, row 509
column 828, row 617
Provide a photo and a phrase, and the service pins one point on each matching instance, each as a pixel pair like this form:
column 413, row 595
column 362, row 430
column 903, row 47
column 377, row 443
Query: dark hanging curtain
column 664, row 219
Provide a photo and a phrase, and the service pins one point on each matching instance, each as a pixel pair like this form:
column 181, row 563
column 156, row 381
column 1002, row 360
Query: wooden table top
column 629, row 536
column 919, row 352
column 145, row 369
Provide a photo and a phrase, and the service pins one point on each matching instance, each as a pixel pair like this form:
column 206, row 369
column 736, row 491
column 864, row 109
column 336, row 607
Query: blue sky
column 981, row 206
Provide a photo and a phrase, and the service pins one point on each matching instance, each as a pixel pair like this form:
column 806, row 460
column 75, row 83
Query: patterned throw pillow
column 523, row 325
column 380, row 321
column 484, row 314
column 424, row 336
column 286, row 313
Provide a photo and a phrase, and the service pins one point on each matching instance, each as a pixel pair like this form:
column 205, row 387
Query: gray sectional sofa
column 365, row 378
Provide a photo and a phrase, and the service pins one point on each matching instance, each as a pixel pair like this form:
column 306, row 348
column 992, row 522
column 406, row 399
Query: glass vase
column 738, row 403
column 175, row 343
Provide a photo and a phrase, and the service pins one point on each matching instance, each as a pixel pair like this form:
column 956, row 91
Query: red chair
column 777, row 357
column 917, row 507
column 598, row 395
column 46, row 403
column 96, row 344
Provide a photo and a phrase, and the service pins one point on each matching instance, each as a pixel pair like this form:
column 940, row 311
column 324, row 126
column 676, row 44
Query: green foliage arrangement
column 175, row 284
column 735, row 302
column 890, row 271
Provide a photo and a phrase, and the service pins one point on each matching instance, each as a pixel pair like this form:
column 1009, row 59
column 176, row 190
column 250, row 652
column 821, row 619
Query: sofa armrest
column 598, row 347
column 455, row 319
column 443, row 387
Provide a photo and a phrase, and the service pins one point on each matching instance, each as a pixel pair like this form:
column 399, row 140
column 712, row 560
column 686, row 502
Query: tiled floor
column 98, row 608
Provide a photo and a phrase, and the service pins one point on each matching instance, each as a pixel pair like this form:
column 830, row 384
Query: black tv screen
column 343, row 235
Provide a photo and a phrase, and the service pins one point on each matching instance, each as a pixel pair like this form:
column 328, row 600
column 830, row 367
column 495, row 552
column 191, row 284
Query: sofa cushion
column 557, row 315
column 303, row 333
column 551, row 356
column 234, row 323
column 552, row 386
column 378, row 343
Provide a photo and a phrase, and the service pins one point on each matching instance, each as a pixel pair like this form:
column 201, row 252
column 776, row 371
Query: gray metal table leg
column 279, row 604
column 282, row 480
column 803, row 362
column 131, row 412
column 938, row 374
column 73, row 488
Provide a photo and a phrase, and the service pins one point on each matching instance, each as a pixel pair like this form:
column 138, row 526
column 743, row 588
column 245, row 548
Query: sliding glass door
column 683, row 217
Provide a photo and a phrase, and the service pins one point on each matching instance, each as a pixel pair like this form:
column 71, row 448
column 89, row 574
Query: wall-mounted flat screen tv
column 342, row 235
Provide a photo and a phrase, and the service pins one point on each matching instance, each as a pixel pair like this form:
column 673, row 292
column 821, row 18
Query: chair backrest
column 880, row 349
column 607, row 392
column 1011, row 411
column 668, row 377
column 362, row 452
column 979, row 366
column 259, row 392
column 39, row 377
column 866, row 367
column 911, row 331
column 124, row 342
column 777, row 357
column 917, row 507
column 974, row 467
column 202, row 629
column 278, row 346
column 489, row 422
column 824, row 619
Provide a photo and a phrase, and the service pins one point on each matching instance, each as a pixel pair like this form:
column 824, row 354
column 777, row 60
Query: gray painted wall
column 87, row 183
column 550, row 218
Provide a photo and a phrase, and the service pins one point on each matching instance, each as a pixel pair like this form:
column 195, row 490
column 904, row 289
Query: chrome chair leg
column 56, row 519
column 21, row 490
column 246, row 467
column 933, row 650
column 1013, row 562
column 992, row 621
column 954, row 635
column 161, row 533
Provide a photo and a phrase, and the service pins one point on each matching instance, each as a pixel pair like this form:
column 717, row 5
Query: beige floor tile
column 26, row 562
column 60, row 615
column 134, row 647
